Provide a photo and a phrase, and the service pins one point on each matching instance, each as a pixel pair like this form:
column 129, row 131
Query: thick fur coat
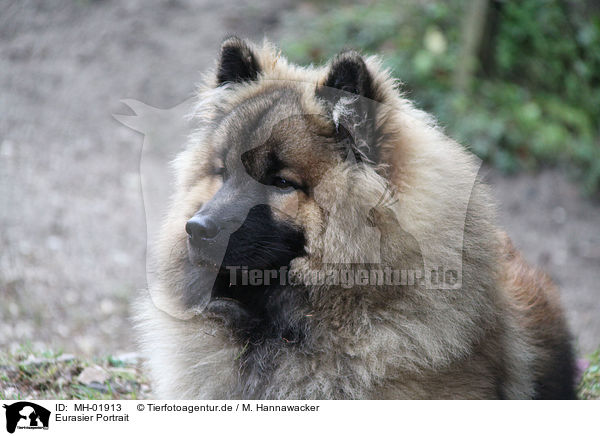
column 500, row 334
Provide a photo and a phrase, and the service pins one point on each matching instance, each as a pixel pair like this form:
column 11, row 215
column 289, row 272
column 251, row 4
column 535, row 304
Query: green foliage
column 540, row 104
column 589, row 386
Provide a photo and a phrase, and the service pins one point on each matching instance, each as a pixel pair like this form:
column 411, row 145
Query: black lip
column 231, row 311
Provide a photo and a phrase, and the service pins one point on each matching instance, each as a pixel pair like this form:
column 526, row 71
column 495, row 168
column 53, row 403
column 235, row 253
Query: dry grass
column 51, row 375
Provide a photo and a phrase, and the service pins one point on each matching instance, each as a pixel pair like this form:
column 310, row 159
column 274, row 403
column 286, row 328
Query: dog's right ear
column 237, row 62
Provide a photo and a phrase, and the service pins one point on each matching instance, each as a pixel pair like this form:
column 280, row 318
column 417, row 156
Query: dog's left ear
column 237, row 62
column 348, row 93
column 349, row 73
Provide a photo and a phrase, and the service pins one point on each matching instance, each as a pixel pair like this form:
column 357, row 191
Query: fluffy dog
column 293, row 171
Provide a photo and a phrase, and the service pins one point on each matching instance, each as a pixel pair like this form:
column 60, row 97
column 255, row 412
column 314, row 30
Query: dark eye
column 281, row 183
column 219, row 171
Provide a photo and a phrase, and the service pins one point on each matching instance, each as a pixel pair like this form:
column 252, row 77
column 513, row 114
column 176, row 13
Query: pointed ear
column 349, row 73
column 353, row 117
column 237, row 62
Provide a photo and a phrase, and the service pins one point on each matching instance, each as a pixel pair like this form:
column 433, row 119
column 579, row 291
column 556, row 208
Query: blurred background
column 518, row 83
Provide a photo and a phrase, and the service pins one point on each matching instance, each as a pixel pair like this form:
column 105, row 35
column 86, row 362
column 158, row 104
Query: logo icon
column 26, row 415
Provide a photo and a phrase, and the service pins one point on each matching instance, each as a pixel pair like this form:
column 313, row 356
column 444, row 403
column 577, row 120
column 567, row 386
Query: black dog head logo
column 26, row 414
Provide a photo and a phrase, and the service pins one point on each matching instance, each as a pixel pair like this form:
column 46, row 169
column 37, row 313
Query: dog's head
column 282, row 173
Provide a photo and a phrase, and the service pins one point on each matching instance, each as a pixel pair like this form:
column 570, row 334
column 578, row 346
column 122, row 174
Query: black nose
column 201, row 227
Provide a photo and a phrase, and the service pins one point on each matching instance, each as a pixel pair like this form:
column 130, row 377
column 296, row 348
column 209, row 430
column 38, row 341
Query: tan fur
column 373, row 342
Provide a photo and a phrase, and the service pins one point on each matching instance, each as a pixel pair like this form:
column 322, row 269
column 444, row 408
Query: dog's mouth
column 227, row 272
column 257, row 313
column 231, row 311
column 231, row 296
column 228, row 287
column 239, row 306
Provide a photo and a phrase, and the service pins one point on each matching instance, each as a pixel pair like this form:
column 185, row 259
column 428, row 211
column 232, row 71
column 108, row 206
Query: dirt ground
column 72, row 229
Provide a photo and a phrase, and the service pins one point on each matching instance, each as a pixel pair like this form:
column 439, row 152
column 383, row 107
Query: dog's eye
column 220, row 171
column 281, row 183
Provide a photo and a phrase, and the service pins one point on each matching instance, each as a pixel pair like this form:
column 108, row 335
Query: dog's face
column 261, row 186
column 263, row 171
column 264, row 167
